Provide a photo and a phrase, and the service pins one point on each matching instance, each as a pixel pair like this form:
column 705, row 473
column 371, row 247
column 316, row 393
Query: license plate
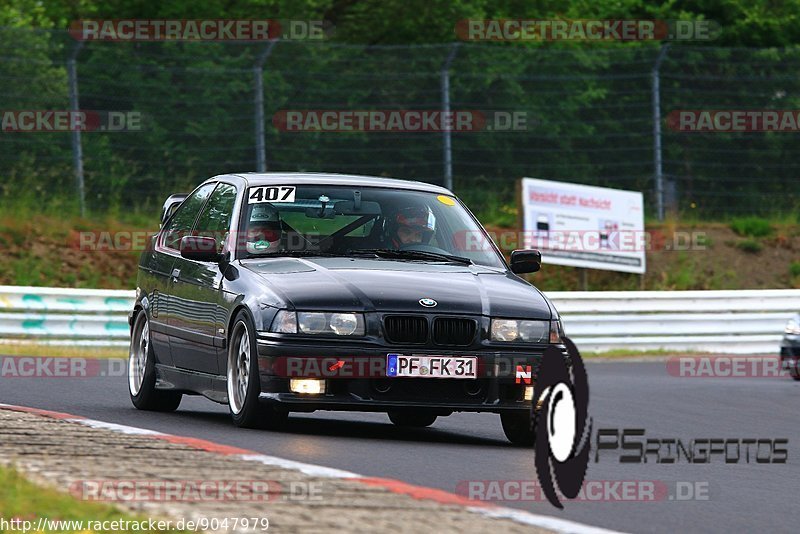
column 402, row 366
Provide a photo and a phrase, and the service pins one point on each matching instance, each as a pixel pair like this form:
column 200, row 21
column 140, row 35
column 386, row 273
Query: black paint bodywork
column 191, row 305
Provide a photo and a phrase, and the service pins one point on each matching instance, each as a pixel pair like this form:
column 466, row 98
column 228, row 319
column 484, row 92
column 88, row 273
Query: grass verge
column 26, row 501
column 55, row 351
column 623, row 354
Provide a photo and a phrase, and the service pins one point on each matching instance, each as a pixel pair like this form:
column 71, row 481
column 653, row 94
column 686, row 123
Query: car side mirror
column 526, row 261
column 199, row 248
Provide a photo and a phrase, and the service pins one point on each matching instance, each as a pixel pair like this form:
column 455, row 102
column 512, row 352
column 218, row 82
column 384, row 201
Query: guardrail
column 63, row 316
column 743, row 322
column 734, row 322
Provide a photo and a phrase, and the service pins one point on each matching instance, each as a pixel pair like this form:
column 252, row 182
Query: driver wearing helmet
column 264, row 230
column 412, row 226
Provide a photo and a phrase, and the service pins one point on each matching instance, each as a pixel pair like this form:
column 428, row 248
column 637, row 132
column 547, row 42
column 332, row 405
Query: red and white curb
column 488, row 510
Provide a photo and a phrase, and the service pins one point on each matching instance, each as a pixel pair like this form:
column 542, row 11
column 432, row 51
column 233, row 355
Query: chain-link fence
column 589, row 117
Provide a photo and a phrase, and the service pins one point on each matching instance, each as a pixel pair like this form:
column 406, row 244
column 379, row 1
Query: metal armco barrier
column 63, row 316
column 742, row 322
column 734, row 322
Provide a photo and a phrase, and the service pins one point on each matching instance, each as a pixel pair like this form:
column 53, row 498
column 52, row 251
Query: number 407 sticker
column 271, row 193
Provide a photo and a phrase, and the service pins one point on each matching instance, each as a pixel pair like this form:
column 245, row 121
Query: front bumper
column 366, row 388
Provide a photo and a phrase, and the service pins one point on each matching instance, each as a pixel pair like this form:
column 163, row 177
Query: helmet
column 416, row 218
column 264, row 229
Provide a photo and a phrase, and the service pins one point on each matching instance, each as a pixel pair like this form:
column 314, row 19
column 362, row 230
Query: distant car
column 281, row 292
column 790, row 347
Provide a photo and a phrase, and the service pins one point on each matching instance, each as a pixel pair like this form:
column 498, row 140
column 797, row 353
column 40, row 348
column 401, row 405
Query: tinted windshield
column 336, row 220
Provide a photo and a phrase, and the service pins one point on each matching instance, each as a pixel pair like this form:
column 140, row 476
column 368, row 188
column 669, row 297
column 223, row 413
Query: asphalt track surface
column 471, row 447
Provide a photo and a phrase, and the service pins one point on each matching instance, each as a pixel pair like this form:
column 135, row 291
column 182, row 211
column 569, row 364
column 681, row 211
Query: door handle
column 175, row 274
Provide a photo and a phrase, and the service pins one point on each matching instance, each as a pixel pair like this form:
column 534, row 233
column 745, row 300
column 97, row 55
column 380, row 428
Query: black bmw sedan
column 281, row 292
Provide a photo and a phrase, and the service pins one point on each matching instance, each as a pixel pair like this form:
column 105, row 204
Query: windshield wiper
column 410, row 254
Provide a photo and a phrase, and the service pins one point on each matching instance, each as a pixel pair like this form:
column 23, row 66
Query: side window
column 215, row 219
column 181, row 222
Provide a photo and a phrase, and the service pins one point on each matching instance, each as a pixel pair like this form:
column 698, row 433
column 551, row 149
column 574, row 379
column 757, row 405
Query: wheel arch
column 242, row 306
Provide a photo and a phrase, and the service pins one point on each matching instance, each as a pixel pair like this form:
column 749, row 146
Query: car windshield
column 372, row 222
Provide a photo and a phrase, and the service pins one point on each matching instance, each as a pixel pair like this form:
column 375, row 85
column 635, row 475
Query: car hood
column 363, row 284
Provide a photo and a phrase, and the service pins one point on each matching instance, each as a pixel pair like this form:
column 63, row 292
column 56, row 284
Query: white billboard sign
column 584, row 226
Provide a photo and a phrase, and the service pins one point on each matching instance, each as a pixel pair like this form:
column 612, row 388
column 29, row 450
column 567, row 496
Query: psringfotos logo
column 561, row 408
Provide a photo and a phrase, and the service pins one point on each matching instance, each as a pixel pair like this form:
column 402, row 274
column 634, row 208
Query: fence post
column 656, row 94
column 448, row 153
column 74, row 106
column 258, row 73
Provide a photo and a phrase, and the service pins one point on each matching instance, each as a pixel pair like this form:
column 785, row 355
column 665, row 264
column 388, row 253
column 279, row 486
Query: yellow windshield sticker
column 447, row 201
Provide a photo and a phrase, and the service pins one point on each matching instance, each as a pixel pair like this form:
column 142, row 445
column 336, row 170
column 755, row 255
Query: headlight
column 505, row 330
column 340, row 324
column 512, row 330
column 792, row 327
column 312, row 322
column 345, row 324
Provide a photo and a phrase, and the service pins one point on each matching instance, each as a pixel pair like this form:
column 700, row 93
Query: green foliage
column 490, row 209
column 751, row 227
column 25, row 273
column 704, row 241
column 21, row 498
column 588, row 104
column 742, row 23
column 683, row 277
column 749, row 245
column 794, row 268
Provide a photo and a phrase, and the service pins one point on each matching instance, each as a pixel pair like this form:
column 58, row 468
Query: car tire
column 411, row 419
column 518, row 428
column 243, row 382
column 142, row 372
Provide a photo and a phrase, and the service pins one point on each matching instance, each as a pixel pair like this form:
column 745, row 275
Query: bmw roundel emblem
column 428, row 303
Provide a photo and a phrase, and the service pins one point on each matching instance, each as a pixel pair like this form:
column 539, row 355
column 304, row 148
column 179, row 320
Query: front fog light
column 528, row 393
column 307, row 386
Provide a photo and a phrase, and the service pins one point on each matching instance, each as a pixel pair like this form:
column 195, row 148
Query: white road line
column 308, row 469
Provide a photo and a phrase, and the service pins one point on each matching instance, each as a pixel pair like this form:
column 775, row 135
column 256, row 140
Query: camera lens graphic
column 560, row 416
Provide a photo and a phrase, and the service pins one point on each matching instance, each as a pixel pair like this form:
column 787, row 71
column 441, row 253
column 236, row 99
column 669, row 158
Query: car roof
column 321, row 178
